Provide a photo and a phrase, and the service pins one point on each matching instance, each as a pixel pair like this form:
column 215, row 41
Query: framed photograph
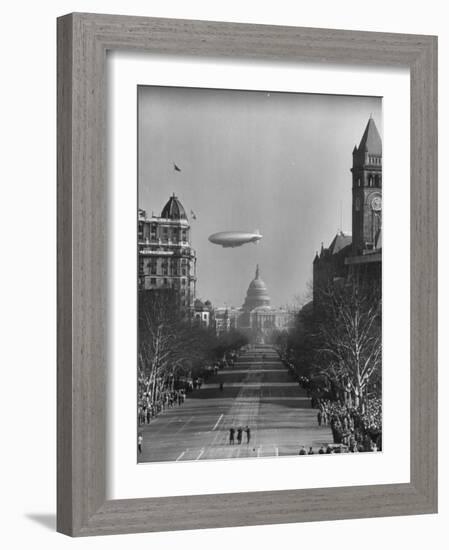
column 247, row 280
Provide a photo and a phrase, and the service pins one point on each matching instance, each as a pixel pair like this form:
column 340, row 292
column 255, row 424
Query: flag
column 177, row 169
column 192, row 213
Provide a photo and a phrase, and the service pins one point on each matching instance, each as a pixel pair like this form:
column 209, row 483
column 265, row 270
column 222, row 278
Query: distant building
column 257, row 318
column 226, row 319
column 358, row 255
column 203, row 313
column 166, row 258
column 222, row 320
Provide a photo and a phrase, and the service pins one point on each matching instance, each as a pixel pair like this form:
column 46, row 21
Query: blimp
column 231, row 239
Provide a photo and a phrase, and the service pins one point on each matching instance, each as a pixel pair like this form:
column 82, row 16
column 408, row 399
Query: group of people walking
column 239, row 431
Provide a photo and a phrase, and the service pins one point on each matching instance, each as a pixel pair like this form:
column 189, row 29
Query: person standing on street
column 324, row 418
column 248, row 434
column 231, row 436
column 139, row 443
column 239, row 435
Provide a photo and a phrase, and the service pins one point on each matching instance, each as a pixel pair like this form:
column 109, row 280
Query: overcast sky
column 277, row 162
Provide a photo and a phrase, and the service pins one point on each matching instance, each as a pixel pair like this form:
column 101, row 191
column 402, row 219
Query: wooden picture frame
column 83, row 40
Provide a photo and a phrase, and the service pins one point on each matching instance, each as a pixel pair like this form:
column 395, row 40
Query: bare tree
column 350, row 342
column 168, row 341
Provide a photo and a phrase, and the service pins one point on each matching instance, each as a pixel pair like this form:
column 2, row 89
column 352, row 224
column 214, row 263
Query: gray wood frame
column 83, row 40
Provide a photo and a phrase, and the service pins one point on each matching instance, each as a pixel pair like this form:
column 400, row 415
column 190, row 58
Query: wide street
column 259, row 392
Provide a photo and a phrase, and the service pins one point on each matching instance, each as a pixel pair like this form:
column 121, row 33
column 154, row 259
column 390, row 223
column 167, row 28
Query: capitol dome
column 257, row 294
column 174, row 210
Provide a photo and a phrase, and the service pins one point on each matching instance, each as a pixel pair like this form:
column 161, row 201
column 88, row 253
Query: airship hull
column 232, row 239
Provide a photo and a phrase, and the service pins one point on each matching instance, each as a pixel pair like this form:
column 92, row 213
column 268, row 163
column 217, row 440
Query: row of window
column 154, row 281
column 175, row 272
column 173, row 231
column 373, row 181
column 164, row 239
column 374, row 160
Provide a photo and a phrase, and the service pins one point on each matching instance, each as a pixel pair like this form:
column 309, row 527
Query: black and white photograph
column 219, row 348
column 259, row 231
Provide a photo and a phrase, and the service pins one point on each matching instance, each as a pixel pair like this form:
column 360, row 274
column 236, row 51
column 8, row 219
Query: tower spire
column 371, row 141
column 257, row 271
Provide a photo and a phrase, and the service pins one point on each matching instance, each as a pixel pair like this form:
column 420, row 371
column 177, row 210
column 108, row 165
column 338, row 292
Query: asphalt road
column 258, row 392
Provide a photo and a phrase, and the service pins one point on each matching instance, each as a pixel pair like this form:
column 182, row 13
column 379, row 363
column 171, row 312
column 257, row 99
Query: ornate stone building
column 167, row 260
column 358, row 255
column 367, row 191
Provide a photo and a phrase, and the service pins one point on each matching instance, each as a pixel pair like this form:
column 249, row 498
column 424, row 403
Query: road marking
column 184, row 425
column 200, row 455
column 216, row 423
column 181, row 455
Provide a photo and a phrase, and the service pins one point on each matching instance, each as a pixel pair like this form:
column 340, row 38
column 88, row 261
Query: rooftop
column 174, row 210
column 371, row 141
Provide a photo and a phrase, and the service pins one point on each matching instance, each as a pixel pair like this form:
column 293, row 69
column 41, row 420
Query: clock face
column 376, row 203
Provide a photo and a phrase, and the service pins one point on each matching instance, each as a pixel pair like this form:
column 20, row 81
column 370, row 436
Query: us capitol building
column 257, row 319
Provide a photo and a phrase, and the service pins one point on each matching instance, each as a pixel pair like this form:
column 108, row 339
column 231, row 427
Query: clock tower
column 367, row 191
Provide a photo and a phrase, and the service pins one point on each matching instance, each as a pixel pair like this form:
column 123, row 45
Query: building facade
column 166, row 258
column 329, row 266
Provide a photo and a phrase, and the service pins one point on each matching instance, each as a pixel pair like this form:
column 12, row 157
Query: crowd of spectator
column 172, row 391
column 360, row 429
column 148, row 408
